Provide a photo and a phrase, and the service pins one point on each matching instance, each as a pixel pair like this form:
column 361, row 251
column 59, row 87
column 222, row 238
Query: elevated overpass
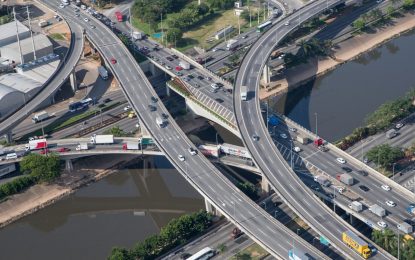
column 50, row 87
column 200, row 173
column 261, row 146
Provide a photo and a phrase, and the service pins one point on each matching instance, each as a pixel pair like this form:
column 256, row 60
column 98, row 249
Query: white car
column 61, row 6
column 215, row 49
column 399, row 125
column 382, row 224
column 86, row 19
column 127, row 108
column 292, row 129
column 181, row 157
column 390, row 203
column 192, row 151
column 386, row 187
column 284, row 136
column 168, row 67
column 287, row 23
column 341, row 160
column 297, row 149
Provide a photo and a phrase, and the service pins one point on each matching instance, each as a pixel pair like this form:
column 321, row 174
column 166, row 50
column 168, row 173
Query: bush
column 385, row 155
column 249, row 189
column 44, row 168
column 16, row 185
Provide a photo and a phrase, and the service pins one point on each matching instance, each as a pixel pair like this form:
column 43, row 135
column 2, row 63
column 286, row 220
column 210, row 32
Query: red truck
column 119, row 16
column 36, row 144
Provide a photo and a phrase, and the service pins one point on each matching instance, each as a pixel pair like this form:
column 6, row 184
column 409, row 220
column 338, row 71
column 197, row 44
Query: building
column 10, row 99
column 223, row 32
column 238, row 4
column 11, row 51
column 8, row 33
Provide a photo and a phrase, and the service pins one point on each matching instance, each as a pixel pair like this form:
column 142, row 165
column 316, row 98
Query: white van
column 11, row 156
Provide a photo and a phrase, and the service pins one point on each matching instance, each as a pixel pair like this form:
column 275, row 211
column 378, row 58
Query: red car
column 113, row 61
column 178, row 68
column 44, row 151
column 63, row 149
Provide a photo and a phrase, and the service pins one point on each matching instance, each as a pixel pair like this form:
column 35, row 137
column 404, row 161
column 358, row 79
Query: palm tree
column 305, row 47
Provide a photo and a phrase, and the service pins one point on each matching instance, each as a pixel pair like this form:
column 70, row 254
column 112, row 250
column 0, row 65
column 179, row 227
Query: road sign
column 324, row 241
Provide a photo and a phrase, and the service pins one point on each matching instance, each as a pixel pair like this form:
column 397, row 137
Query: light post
column 334, row 197
column 275, row 213
column 393, row 171
column 291, row 156
column 267, row 115
column 297, row 231
column 316, row 123
column 217, row 139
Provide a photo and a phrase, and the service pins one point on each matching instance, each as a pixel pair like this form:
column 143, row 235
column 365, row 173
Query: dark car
column 346, row 169
column 219, row 100
column 363, row 173
column 255, row 137
column 107, row 100
column 154, row 99
column 364, row 188
column 164, row 116
column 190, row 76
column 200, row 77
column 175, row 56
column 152, row 108
column 169, row 59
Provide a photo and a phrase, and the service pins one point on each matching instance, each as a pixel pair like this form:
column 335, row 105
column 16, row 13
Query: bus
column 204, row 254
column 80, row 105
column 264, row 26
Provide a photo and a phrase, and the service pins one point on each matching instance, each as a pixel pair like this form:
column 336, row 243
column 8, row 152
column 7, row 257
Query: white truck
column 36, row 144
column 82, row 146
column 244, row 93
column 138, row 35
column 323, row 180
column 302, row 139
column 160, row 122
column 102, row 139
column 40, row 117
column 43, row 23
column 103, row 72
column 131, row 145
column 232, row 44
column 377, row 210
column 391, row 133
column 184, row 64
column 356, row 206
column 405, row 227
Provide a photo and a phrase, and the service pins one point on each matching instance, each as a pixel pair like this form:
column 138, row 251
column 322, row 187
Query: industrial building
column 8, row 33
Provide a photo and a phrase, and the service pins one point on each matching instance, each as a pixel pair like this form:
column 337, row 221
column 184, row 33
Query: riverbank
column 345, row 51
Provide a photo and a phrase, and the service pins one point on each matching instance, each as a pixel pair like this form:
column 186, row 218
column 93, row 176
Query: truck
column 358, row 244
column 377, row 210
column 139, row 35
column 244, row 93
column 236, row 232
column 318, row 142
column 203, row 60
column 184, row 64
column 231, row 45
column 102, row 139
column 297, row 254
column 411, row 209
column 82, row 146
column 323, row 180
column 405, row 227
column 37, row 144
column 131, row 145
column 356, row 206
column 391, row 133
column 146, row 141
column 345, row 178
column 160, row 122
column 275, row 54
column 302, row 139
column 234, row 150
column 40, row 117
column 43, row 23
column 103, row 72
column 119, row 16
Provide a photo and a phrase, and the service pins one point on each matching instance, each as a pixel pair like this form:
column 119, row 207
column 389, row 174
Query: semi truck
column 377, row 210
column 103, row 72
column 102, row 139
column 231, row 45
column 358, row 244
column 37, row 144
column 345, row 178
column 184, row 64
column 405, row 227
column 302, row 139
column 139, row 35
column 244, row 93
column 40, row 117
column 131, row 145
column 231, row 149
column 82, row 146
column 323, row 180
column 391, row 133
column 356, row 206
column 144, row 141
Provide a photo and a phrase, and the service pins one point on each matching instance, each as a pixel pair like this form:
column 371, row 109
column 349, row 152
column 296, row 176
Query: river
column 342, row 99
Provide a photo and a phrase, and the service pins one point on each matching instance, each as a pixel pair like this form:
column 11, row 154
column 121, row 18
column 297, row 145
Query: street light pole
column 334, row 197
column 217, row 139
column 393, row 171
column 267, row 115
column 316, row 124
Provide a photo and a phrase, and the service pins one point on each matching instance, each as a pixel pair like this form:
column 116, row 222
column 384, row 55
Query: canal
column 342, row 99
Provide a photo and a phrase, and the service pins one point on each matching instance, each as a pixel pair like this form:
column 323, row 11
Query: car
column 382, row 224
column 113, row 61
column 399, row 125
column 245, row 36
column 154, row 99
column 362, row 172
column 44, row 151
column 281, row 56
column 255, row 137
column 178, row 73
column 209, row 78
column 107, row 100
column 76, row 10
column 164, row 116
column 219, row 100
column 341, row 160
column 297, row 149
column 199, row 77
column 186, row 79
column 346, row 169
column 292, row 129
column 386, row 187
column 175, row 56
column 181, row 158
column 287, row 23
column 61, row 6
column 341, row 190
column 190, row 76
column 169, row 59
column 213, row 90
column 365, row 160
column 179, row 68
column 323, row 148
column 390, row 203
column 77, row 14
column 364, row 188
column 197, row 85
column 126, row 108
column 168, row 67
column 92, row 26
column 192, row 151
column 86, row 19
column 215, row 49
column 152, row 108
column 63, row 149
column 284, row 136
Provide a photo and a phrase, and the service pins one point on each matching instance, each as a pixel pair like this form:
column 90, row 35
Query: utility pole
column 162, row 33
column 31, row 33
column 18, row 38
column 316, row 123
column 131, row 24
column 239, row 25
column 250, row 20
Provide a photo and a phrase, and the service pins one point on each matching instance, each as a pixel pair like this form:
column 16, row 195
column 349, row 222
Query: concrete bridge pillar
column 68, row 165
column 351, row 219
column 9, row 137
column 265, row 187
column 266, row 75
column 211, row 209
column 73, row 81
column 168, row 91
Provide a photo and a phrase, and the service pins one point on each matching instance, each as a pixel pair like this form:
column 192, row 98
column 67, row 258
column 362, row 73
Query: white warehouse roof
column 8, row 32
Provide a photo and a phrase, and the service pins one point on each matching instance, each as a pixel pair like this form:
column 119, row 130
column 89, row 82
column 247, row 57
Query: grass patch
column 254, row 251
column 57, row 36
column 141, row 26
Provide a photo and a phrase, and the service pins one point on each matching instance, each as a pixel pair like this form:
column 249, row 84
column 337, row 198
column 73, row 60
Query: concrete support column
column 351, row 219
column 266, row 75
column 9, row 137
column 68, row 165
column 72, row 79
column 209, row 207
column 265, row 185
column 168, row 91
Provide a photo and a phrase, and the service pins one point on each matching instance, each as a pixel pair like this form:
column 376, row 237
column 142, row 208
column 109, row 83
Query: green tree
column 249, row 189
column 234, row 58
column 45, row 168
column 390, row 10
column 242, row 256
column 116, row 131
column 174, row 35
column 118, row 253
column 359, row 24
column 408, row 4
column 375, row 14
column 385, row 155
column 221, row 248
column 305, row 47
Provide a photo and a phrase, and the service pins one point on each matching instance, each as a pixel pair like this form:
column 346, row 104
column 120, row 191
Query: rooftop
column 9, row 29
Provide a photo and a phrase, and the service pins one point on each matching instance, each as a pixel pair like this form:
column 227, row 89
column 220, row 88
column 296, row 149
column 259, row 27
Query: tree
column 118, row 253
column 234, row 58
column 408, row 4
column 173, row 35
column 221, row 248
column 359, row 24
column 249, row 189
column 390, row 10
column 116, row 131
column 385, row 155
column 305, row 47
column 376, row 14
column 45, row 168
